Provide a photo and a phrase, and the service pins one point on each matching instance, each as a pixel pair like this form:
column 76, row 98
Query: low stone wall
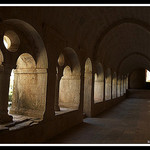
column 138, row 93
column 48, row 129
column 102, row 106
column 43, row 131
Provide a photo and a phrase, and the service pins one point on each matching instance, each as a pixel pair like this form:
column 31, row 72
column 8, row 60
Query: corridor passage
column 126, row 123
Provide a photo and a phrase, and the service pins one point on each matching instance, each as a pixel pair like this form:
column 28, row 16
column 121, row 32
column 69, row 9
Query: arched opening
column 61, row 60
column 11, row 84
column 87, row 87
column 147, row 75
column 7, row 42
column 147, row 78
column 11, row 41
column 108, row 84
column 114, row 86
column 137, row 79
column 29, row 88
column 119, row 87
column 68, row 81
column 98, row 84
column 29, row 64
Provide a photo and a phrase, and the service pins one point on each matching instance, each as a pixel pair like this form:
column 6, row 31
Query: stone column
column 126, row 83
column 87, row 93
column 56, row 104
column 111, row 87
column 104, row 89
column 4, row 90
column 49, row 113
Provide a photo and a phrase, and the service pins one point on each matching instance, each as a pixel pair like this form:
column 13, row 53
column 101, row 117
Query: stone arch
column 26, row 61
column 72, row 60
column 115, row 24
column 120, row 67
column 108, row 84
column 29, row 90
column 27, row 55
column 99, row 83
column 102, row 50
column 30, row 41
column 69, row 80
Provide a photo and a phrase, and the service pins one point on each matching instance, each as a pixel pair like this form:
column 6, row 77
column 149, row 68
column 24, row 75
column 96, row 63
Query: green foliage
column 10, row 98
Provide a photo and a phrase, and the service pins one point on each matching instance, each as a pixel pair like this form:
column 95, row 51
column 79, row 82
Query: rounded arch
column 115, row 24
column 137, row 78
column 100, row 71
column 67, row 71
column 30, row 74
column 71, row 59
column 98, row 83
column 28, row 99
column 25, row 61
column 88, row 66
column 139, row 56
column 26, row 31
column 61, row 60
column 11, row 41
column 108, row 84
column 69, row 79
column 120, row 43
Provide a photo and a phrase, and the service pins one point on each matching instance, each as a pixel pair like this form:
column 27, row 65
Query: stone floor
column 126, row 123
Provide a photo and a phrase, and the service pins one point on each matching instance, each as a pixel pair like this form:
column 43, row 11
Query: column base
column 5, row 118
column 56, row 108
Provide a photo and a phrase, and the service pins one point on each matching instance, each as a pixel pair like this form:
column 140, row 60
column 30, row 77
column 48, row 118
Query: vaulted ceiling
column 118, row 37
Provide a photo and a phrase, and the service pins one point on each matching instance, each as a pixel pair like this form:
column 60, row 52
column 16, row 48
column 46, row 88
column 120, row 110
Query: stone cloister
column 69, row 63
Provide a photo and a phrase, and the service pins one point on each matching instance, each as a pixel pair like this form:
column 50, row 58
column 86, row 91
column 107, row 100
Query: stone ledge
column 19, row 122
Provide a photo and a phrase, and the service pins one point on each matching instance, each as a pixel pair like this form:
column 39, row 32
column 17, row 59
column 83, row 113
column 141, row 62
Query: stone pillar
column 117, row 87
column 4, row 90
column 49, row 113
column 81, row 105
column 124, row 85
column 111, row 88
column 104, row 89
column 87, row 93
column 56, row 104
